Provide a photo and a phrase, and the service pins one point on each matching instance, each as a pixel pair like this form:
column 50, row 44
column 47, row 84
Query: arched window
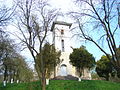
column 62, row 31
column 62, row 42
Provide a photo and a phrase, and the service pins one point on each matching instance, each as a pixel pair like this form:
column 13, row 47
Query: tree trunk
column 118, row 72
column 5, row 73
column 41, row 73
column 14, row 77
column 107, row 77
column 43, row 82
column 10, row 76
column 80, row 72
column 54, row 71
column 83, row 71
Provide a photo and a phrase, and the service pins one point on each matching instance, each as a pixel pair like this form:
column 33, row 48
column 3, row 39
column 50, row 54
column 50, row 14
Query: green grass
column 65, row 85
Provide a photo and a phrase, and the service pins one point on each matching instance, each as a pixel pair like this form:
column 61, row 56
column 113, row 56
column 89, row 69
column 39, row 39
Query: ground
column 65, row 85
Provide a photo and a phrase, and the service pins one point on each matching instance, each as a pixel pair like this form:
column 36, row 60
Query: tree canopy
column 51, row 59
column 98, row 22
column 104, row 67
column 81, row 58
column 13, row 65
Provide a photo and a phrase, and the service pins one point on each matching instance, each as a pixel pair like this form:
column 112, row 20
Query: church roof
column 60, row 23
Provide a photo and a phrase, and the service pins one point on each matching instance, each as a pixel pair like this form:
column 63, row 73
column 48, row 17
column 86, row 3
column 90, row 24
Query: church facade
column 62, row 39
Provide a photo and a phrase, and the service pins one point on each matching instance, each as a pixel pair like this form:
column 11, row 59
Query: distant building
column 62, row 41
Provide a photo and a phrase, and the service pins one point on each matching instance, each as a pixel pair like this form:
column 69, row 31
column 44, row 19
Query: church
column 62, row 36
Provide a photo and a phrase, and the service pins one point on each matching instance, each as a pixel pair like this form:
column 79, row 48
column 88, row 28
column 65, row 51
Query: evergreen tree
column 104, row 67
column 81, row 58
column 51, row 59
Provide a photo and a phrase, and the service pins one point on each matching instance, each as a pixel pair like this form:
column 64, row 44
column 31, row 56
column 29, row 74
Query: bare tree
column 99, row 19
column 118, row 8
column 6, row 13
column 34, row 19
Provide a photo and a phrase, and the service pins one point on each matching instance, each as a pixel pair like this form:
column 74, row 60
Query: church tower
column 62, row 41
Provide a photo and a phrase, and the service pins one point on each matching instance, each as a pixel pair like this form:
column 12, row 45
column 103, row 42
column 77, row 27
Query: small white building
column 62, row 41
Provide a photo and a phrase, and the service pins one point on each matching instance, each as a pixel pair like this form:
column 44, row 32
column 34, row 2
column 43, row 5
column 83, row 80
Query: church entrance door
column 63, row 70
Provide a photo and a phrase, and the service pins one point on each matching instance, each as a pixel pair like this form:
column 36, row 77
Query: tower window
column 63, row 49
column 62, row 31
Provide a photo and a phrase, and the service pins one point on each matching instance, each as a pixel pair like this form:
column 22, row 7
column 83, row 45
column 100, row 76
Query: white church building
column 62, row 40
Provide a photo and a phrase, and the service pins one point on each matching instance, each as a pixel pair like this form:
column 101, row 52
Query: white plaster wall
column 67, row 48
column 66, row 37
column 70, row 68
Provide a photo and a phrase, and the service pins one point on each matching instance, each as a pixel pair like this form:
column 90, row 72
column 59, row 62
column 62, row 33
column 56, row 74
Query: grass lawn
column 65, row 85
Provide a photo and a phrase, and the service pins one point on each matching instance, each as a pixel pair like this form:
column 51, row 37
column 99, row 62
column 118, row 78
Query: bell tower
column 62, row 41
